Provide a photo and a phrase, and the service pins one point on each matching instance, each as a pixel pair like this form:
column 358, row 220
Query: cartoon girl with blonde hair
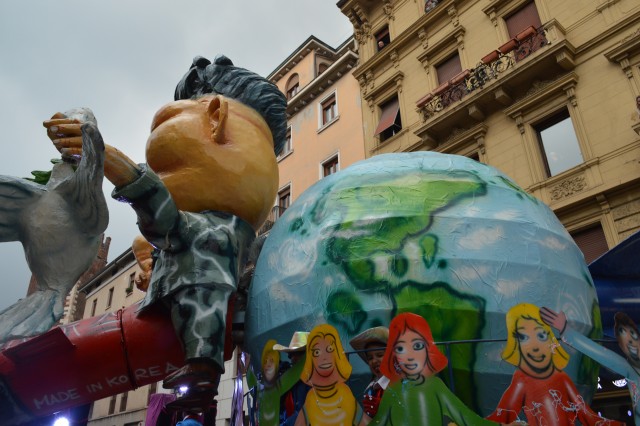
column 539, row 387
column 416, row 395
column 326, row 369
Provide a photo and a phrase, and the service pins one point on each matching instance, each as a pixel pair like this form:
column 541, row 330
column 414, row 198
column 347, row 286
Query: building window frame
column 284, row 199
column 132, row 281
column 541, row 105
column 293, row 86
column 94, row 306
column 112, row 405
column 389, row 122
column 109, row 298
column 123, row 402
column 288, row 145
column 330, row 165
column 382, row 36
column 446, row 62
column 549, row 123
column 328, row 112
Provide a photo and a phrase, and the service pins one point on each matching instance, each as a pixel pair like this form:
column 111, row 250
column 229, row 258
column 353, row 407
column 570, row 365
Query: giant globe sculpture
column 443, row 236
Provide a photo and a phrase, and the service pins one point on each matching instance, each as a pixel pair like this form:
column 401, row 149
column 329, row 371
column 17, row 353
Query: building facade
column 547, row 91
column 324, row 115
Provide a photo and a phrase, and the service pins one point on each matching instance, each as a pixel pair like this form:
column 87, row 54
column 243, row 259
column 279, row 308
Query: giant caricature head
column 531, row 344
column 628, row 337
column 214, row 147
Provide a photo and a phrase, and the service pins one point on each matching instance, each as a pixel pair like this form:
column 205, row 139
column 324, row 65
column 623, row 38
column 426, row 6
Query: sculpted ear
column 218, row 108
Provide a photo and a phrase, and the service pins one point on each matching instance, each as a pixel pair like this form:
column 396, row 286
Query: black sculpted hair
column 223, row 78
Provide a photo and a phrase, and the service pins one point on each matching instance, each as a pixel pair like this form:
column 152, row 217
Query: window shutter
column 592, row 242
column 449, row 69
column 522, row 19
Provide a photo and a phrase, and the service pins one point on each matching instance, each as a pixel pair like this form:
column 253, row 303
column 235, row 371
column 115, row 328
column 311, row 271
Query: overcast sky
column 123, row 59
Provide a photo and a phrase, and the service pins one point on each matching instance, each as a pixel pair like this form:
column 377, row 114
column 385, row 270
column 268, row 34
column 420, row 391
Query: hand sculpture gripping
column 60, row 227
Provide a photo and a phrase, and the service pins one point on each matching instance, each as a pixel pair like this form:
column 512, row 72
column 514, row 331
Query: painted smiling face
column 628, row 340
column 534, row 343
column 410, row 353
column 323, row 352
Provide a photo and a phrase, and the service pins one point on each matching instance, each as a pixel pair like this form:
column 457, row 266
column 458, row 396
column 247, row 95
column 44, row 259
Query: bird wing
column 17, row 196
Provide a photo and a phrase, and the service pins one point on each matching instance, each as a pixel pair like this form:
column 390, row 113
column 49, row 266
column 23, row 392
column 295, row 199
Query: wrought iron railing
column 489, row 68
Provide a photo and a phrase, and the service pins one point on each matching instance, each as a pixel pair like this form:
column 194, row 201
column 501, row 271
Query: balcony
column 275, row 213
column 535, row 55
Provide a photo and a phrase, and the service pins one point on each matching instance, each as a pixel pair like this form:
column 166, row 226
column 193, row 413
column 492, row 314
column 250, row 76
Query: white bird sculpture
column 60, row 226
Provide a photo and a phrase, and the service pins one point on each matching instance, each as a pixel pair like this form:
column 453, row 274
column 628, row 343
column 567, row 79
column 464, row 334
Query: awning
column 388, row 116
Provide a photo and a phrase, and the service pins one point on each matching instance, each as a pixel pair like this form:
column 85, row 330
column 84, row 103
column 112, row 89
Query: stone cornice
column 308, row 93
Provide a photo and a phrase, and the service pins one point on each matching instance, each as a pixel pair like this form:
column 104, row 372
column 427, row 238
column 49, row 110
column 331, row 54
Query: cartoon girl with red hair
column 416, row 395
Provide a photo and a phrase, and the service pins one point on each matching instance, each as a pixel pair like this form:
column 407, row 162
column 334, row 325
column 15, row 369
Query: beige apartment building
column 324, row 115
column 547, row 91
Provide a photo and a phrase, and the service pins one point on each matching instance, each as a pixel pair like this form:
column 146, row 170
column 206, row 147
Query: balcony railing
column 274, row 215
column 489, row 68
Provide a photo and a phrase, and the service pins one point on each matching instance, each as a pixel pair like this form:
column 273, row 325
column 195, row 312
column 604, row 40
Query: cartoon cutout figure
column 292, row 401
column 273, row 387
column 416, row 396
column 375, row 340
column 539, row 387
column 326, row 369
column 628, row 339
column 208, row 185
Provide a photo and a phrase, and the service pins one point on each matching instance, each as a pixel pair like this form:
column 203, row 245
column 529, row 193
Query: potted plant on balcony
column 508, row 46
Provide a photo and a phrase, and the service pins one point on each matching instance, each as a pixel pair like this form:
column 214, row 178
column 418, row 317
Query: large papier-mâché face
column 215, row 153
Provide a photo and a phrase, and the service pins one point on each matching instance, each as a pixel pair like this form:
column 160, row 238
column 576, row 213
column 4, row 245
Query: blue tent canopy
column 616, row 275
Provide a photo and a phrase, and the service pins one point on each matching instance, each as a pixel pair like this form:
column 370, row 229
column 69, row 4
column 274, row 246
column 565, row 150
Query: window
column 112, row 404
column 329, row 110
column 382, row 38
column 322, row 68
column 448, row 68
column 110, row 298
column 287, row 144
column 293, row 85
column 123, row 401
column 429, row 5
column 284, row 200
column 522, row 19
column 330, row 166
column 390, row 121
column 559, row 144
column 153, row 387
column 132, row 280
column 94, row 305
column 591, row 242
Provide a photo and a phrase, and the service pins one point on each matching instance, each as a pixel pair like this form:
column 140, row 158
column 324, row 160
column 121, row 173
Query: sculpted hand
column 557, row 320
column 143, row 252
column 66, row 134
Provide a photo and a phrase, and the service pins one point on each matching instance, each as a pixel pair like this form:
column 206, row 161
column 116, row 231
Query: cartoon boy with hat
column 371, row 345
column 273, row 388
